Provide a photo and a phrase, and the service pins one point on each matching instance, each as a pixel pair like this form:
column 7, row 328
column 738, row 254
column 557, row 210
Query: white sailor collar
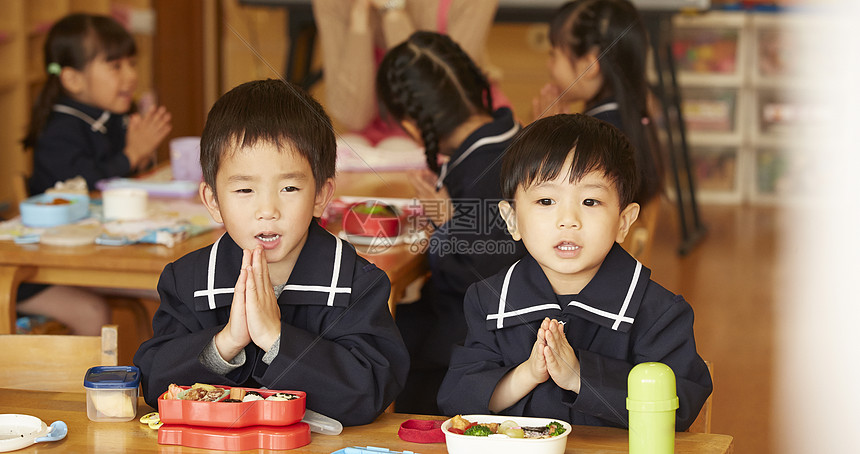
column 322, row 275
column 611, row 299
column 96, row 118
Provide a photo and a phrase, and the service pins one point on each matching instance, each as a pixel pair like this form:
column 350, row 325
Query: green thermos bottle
column 651, row 404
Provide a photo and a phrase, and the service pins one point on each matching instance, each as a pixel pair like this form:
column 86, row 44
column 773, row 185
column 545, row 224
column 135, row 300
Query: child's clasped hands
column 553, row 358
column 255, row 315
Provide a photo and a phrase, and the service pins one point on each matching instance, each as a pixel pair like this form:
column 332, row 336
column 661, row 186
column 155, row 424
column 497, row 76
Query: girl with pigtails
column 82, row 122
column 598, row 58
column 440, row 97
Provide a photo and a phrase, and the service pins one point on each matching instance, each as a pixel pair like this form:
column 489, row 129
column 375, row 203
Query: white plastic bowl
column 468, row 444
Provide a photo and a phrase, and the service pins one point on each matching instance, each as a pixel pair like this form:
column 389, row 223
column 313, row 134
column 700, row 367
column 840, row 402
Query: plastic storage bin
column 710, row 109
column 112, row 393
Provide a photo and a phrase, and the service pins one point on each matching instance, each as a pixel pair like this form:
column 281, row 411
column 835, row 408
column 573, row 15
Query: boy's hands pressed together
column 261, row 306
column 522, row 379
column 536, row 364
column 561, row 361
column 235, row 336
column 145, row 132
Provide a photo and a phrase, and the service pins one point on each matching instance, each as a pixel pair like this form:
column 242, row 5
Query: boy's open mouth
column 567, row 246
column 267, row 237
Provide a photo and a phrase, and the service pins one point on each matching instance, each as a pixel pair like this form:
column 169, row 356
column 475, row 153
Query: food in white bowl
column 499, row 443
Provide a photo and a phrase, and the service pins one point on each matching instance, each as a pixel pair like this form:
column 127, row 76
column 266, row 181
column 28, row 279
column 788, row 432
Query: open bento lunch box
column 502, row 444
column 234, row 426
column 51, row 210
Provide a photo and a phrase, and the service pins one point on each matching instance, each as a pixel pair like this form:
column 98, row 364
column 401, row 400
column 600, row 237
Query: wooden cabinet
column 24, row 25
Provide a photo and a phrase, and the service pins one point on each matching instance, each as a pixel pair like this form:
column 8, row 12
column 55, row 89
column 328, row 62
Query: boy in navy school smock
column 277, row 301
column 556, row 334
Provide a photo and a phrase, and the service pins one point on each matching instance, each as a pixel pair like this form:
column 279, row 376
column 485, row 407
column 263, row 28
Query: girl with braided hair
column 440, row 97
column 599, row 50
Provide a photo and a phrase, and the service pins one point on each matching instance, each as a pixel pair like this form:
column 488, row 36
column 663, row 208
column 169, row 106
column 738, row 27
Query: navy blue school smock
column 621, row 318
column 339, row 343
column 79, row 139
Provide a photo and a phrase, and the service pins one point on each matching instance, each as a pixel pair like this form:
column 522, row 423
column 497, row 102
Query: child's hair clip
column 55, row 69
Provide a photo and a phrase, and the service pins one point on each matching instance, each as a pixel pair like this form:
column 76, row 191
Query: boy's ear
column 626, row 220
column 509, row 215
column 323, row 197
column 207, row 196
column 72, row 80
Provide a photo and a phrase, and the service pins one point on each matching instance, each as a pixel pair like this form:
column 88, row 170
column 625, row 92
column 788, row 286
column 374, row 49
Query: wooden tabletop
column 139, row 266
column 132, row 436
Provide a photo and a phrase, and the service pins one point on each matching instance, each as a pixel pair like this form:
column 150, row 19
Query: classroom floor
column 728, row 279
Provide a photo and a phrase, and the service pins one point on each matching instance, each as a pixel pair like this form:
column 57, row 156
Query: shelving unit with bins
column 741, row 91
column 710, row 51
column 784, row 103
column 24, row 25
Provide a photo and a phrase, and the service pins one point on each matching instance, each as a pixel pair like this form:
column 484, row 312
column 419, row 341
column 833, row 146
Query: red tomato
column 456, row 431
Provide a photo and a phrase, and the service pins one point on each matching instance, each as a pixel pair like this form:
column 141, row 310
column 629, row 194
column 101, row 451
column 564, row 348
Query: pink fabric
column 442, row 16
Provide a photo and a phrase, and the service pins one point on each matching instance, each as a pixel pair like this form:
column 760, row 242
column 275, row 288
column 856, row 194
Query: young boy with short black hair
column 277, row 301
column 556, row 334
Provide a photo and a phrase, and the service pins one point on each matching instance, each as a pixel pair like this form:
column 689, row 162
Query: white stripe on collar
column 602, row 108
column 502, row 315
column 95, row 125
column 210, row 291
column 619, row 317
column 332, row 289
column 478, row 143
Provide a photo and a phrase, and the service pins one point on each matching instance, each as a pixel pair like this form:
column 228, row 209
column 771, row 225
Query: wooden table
column 138, row 266
column 87, row 436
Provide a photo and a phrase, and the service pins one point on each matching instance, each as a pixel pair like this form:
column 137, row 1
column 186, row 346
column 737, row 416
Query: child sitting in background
column 80, row 124
column 440, row 97
column 556, row 334
column 599, row 50
column 78, row 127
column 277, row 301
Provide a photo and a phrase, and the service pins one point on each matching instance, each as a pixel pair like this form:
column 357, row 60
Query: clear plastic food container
column 112, row 393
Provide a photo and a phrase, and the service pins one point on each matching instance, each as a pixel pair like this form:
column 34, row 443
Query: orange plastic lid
column 240, row 439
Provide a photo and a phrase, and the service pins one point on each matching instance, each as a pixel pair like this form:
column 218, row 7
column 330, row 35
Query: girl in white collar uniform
column 442, row 99
column 81, row 122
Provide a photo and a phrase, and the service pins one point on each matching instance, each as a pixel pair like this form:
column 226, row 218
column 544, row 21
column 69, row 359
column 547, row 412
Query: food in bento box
column 199, row 392
column 509, row 428
column 282, row 396
column 252, row 396
column 237, row 394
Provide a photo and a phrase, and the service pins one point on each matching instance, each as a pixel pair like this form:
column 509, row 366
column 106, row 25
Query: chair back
column 46, row 362
column 21, row 176
column 702, row 424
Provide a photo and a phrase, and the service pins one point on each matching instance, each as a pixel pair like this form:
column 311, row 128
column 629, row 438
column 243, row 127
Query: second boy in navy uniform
column 276, row 302
column 556, row 334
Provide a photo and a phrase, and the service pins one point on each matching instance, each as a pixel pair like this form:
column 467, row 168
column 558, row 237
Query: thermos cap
column 651, row 387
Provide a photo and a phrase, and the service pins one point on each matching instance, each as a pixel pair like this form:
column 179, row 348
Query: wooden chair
column 702, row 424
column 54, row 363
column 21, row 175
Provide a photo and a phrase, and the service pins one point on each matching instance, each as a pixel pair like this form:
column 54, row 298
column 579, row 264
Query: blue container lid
column 112, row 377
